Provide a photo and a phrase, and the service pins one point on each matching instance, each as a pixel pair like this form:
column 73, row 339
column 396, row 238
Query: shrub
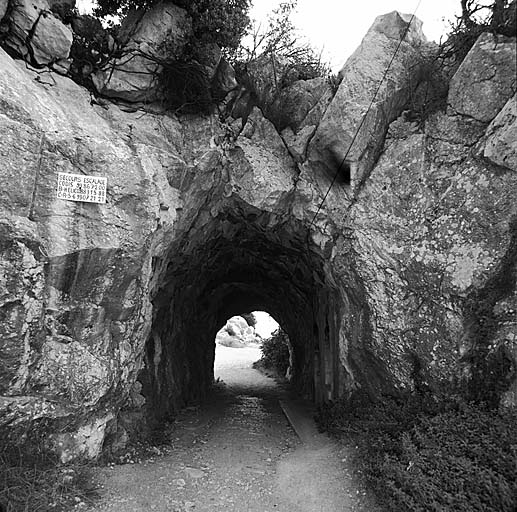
column 280, row 39
column 223, row 22
column 424, row 455
column 275, row 352
column 184, row 79
column 92, row 48
column 430, row 93
column 461, row 460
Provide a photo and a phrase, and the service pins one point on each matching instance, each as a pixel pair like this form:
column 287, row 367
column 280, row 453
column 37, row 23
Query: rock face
column 495, row 60
column 147, row 39
column 109, row 311
column 4, row 4
column 51, row 40
column 35, row 33
column 335, row 139
column 299, row 104
column 499, row 145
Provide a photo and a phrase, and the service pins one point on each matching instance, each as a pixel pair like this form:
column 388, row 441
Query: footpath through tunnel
column 237, row 263
column 251, row 447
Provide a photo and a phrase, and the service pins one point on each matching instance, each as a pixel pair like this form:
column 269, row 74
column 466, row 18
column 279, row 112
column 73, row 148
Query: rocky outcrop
column 335, row 140
column 149, row 64
column 51, row 40
column 35, row 33
column 299, row 109
column 110, row 310
column 289, row 102
column 499, row 144
column 302, row 104
column 495, row 60
column 147, row 39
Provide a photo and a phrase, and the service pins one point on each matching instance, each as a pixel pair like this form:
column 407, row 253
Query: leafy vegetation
column 423, row 455
column 280, row 38
column 275, row 353
column 217, row 25
column 186, row 86
column 92, row 48
column 184, row 80
column 222, row 22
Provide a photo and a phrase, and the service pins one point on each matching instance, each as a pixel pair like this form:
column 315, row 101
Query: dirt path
column 237, row 454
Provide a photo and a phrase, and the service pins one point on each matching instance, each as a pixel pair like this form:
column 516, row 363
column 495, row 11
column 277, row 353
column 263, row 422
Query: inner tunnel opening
column 238, row 261
column 253, row 340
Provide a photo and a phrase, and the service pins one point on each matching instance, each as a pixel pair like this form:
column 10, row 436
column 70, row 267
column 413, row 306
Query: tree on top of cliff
column 498, row 15
column 279, row 38
column 223, row 22
column 478, row 16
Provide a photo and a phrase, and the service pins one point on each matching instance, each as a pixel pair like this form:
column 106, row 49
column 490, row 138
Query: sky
column 336, row 27
column 266, row 324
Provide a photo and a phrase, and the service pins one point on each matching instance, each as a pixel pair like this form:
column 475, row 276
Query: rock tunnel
column 242, row 260
column 208, row 217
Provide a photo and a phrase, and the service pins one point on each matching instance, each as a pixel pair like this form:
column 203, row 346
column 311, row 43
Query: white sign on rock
column 78, row 187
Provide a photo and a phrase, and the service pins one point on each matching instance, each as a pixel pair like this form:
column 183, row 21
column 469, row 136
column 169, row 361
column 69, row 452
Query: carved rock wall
column 109, row 311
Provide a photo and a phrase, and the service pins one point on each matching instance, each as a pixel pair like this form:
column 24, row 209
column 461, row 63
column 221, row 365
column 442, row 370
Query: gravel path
column 237, row 453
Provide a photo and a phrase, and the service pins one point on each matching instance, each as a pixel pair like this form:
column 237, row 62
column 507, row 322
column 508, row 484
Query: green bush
column 275, row 352
column 184, row 79
column 218, row 21
column 280, row 41
column 424, row 455
column 462, row 460
column 223, row 22
column 186, row 87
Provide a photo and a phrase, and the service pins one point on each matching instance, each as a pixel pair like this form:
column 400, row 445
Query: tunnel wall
column 233, row 265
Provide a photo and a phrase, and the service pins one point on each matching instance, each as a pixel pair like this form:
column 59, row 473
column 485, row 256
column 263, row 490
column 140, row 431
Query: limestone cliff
column 404, row 277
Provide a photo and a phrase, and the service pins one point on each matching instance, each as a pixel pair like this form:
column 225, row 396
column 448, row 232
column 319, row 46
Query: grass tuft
column 35, row 481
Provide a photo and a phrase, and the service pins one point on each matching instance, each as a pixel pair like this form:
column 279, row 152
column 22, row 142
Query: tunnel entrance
column 240, row 260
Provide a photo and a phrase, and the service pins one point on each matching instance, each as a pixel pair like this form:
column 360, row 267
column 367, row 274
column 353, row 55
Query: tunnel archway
column 241, row 259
